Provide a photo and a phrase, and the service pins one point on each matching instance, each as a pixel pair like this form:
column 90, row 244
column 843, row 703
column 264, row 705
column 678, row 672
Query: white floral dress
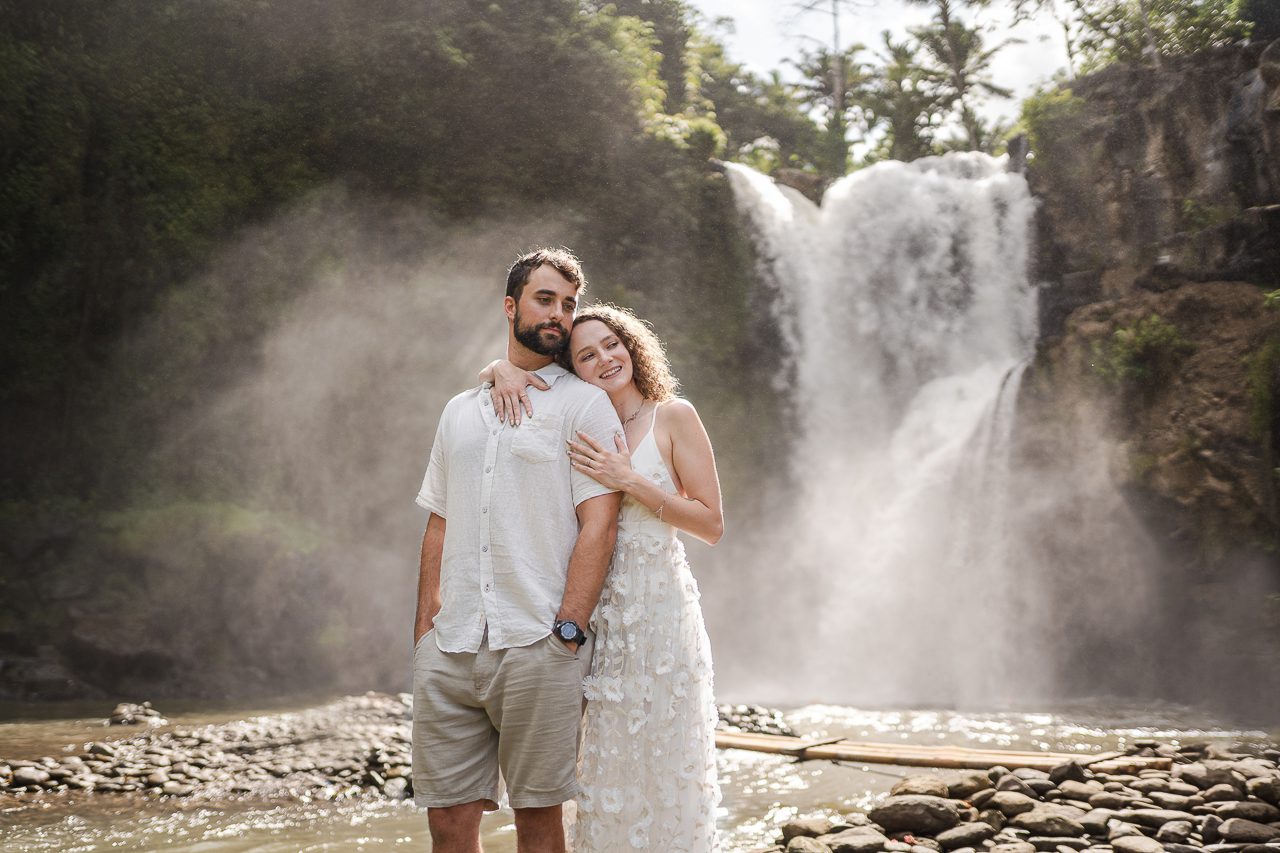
column 647, row 766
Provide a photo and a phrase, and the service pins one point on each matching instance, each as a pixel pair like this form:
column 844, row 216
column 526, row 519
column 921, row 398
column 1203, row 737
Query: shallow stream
column 760, row 790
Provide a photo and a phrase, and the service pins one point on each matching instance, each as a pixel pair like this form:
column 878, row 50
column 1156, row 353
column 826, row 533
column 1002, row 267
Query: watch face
column 568, row 630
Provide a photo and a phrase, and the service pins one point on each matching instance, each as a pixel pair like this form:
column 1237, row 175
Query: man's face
column 544, row 314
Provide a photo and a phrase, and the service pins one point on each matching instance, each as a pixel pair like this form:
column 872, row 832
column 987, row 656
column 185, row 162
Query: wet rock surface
column 1229, row 807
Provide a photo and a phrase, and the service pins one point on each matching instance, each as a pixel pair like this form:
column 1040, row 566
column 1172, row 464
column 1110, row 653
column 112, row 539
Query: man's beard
column 531, row 337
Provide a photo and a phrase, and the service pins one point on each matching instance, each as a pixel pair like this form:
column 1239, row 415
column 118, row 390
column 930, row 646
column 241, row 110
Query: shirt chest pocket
column 539, row 440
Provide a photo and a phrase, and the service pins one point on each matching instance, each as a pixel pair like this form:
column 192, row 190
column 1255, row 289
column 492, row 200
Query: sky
column 767, row 32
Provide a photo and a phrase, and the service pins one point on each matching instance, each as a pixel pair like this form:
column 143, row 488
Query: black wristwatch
column 568, row 630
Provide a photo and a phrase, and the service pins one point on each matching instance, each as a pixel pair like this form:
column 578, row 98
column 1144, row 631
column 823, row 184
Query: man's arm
column 597, row 532
column 429, row 577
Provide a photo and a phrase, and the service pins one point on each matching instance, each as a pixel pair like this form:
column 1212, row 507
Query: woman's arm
column 507, row 389
column 697, row 509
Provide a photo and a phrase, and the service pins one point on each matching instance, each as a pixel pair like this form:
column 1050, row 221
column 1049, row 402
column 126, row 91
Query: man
column 513, row 561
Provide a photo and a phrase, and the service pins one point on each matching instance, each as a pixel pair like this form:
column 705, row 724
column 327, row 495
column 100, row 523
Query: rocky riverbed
column 1212, row 800
column 357, row 746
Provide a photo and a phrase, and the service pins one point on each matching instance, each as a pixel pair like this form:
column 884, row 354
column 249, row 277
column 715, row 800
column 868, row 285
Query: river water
column 760, row 790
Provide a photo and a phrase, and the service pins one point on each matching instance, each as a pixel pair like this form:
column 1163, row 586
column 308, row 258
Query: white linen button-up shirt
column 508, row 496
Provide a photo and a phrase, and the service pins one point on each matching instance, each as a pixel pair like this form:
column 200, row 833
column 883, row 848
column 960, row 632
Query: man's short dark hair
column 564, row 261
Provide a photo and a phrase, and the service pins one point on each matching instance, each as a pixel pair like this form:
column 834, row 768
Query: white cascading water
column 905, row 303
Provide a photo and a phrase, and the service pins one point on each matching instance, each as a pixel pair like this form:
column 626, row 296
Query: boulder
column 916, row 813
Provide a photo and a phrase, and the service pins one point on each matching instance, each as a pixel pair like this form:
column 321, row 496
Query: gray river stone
column 1170, row 801
column 1136, row 844
column 1175, row 831
column 1265, row 788
column 1013, row 847
column 1222, row 793
column 1012, row 803
column 1109, row 800
column 968, row 785
column 1080, row 790
column 1154, row 818
column 1247, row 831
column 860, row 839
column 927, row 784
column 965, row 835
column 1047, row 820
column 805, row 844
column 916, row 813
column 24, row 776
column 1254, row 810
column 1095, row 822
column 1072, row 771
column 1048, row 843
column 806, row 828
column 1016, row 784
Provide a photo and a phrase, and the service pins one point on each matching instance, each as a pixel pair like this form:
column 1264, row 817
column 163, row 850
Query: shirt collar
column 551, row 372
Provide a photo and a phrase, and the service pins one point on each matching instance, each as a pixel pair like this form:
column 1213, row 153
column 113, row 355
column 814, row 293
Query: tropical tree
column 833, row 84
column 1149, row 30
column 958, row 63
column 903, row 98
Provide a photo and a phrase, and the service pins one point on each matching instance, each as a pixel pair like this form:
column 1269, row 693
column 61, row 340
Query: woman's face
column 599, row 356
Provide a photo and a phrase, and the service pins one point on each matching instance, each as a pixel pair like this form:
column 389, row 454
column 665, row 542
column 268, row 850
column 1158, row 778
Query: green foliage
column 1263, row 379
column 1140, row 355
column 1272, row 300
column 904, row 99
column 957, row 61
column 833, row 84
column 1048, row 118
column 1145, row 30
column 1197, row 215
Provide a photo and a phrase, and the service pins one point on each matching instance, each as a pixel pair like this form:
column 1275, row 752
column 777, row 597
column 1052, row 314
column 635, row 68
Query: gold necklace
column 634, row 414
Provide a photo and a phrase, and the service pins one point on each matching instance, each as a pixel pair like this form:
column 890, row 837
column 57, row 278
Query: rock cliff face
column 1159, row 236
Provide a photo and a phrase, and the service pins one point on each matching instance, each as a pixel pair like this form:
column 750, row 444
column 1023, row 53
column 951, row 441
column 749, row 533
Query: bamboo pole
column 918, row 755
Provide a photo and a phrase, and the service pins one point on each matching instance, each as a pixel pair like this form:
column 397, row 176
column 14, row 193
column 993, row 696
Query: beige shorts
column 517, row 710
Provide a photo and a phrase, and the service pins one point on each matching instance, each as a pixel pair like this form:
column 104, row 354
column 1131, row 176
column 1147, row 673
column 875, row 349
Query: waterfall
column 908, row 317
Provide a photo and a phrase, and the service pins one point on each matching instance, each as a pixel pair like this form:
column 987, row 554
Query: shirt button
column 484, row 547
column 486, row 587
column 495, row 432
column 484, row 510
column 488, row 468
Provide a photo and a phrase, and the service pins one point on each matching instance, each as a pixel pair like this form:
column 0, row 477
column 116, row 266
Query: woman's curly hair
column 650, row 369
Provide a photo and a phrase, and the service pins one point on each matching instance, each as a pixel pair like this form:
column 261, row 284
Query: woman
column 647, row 765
